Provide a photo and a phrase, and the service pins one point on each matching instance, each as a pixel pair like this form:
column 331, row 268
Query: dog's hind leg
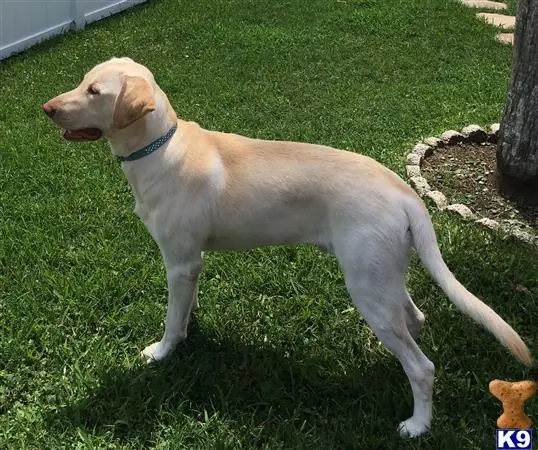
column 414, row 317
column 376, row 284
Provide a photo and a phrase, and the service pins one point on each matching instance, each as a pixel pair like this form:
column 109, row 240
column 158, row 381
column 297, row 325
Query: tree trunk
column 517, row 152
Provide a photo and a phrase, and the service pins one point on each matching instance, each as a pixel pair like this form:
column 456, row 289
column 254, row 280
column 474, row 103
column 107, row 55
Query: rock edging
column 426, row 148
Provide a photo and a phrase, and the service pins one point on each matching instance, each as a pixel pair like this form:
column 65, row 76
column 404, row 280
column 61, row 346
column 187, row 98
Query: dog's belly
column 270, row 231
column 249, row 241
column 268, row 222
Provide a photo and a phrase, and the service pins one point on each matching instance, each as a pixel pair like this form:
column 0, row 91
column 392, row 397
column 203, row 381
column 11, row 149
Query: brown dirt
column 466, row 173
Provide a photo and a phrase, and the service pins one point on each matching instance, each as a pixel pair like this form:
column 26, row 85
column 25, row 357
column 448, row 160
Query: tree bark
column 517, row 152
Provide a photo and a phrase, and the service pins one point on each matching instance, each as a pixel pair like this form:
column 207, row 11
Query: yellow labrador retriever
column 197, row 189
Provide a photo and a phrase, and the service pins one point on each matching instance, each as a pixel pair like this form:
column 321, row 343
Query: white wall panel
column 24, row 23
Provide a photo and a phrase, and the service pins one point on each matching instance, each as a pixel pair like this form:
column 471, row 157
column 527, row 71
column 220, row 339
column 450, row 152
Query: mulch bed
column 466, row 173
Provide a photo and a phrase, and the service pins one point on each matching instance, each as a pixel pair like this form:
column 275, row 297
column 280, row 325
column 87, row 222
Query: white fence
column 24, row 23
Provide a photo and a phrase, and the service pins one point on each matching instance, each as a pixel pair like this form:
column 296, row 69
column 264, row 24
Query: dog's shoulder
column 201, row 159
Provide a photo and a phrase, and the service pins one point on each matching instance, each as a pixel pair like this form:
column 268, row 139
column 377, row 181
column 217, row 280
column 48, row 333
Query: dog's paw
column 411, row 428
column 155, row 352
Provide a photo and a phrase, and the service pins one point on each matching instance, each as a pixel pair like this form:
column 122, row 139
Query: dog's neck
column 145, row 130
column 136, row 136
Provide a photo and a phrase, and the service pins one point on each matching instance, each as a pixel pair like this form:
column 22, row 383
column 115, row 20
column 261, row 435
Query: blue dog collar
column 149, row 149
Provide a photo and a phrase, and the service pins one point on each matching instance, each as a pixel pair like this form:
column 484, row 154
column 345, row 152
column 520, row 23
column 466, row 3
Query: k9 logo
column 516, row 439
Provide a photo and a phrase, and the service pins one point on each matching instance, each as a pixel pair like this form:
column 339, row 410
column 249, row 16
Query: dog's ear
column 134, row 102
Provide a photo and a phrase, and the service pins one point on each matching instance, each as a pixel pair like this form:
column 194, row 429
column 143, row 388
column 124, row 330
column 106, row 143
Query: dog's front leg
column 182, row 284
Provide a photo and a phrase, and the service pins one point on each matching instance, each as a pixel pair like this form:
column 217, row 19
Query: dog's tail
column 427, row 248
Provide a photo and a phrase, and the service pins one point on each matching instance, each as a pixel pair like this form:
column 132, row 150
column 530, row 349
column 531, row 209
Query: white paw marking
column 155, row 352
column 412, row 428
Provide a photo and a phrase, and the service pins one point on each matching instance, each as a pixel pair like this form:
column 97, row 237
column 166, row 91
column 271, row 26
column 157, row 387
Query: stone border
column 497, row 19
column 426, row 148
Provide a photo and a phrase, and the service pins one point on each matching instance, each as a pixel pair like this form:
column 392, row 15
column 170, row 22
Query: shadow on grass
column 260, row 394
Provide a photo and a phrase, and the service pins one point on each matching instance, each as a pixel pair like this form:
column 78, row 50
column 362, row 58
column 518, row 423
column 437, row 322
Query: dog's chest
column 141, row 211
column 142, row 208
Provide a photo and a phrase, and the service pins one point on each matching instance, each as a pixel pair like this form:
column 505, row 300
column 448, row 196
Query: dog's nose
column 49, row 109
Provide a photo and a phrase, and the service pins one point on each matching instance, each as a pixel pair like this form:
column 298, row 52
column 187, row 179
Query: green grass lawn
column 276, row 356
column 512, row 6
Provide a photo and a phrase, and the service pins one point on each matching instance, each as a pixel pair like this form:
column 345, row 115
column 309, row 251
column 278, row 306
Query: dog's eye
column 92, row 90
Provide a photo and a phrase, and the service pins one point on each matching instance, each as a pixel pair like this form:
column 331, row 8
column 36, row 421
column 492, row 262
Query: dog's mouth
column 84, row 134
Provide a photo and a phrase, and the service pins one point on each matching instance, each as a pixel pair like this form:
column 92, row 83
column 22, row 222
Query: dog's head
column 112, row 96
